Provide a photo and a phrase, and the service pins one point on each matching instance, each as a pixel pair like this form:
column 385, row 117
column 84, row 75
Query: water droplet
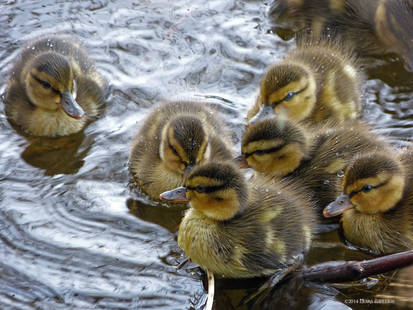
column 340, row 174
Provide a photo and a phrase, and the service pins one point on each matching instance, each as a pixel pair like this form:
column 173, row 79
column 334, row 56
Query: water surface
column 72, row 232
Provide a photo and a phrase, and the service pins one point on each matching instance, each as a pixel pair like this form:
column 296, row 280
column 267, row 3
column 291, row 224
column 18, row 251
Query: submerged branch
column 356, row 270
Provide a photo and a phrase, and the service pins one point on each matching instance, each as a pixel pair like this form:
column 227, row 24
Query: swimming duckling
column 377, row 202
column 282, row 149
column 237, row 229
column 313, row 83
column 175, row 137
column 54, row 88
column 371, row 26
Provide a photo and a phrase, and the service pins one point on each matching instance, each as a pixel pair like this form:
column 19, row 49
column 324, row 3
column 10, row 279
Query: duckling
column 175, row 137
column 237, row 229
column 314, row 83
column 371, row 26
column 377, row 201
column 54, row 88
column 282, row 149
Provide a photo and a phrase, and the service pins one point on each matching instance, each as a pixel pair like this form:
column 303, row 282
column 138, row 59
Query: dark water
column 72, row 233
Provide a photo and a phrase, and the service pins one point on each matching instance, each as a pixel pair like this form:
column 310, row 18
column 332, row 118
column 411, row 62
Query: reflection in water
column 56, row 155
column 70, row 235
column 167, row 217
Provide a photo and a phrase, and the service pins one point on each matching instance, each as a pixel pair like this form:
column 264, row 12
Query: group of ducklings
column 311, row 153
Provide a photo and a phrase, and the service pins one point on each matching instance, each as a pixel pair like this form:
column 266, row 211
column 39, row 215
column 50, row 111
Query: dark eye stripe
column 208, row 189
column 274, row 104
column 44, row 83
column 173, row 149
column 267, row 151
column 372, row 187
column 175, row 152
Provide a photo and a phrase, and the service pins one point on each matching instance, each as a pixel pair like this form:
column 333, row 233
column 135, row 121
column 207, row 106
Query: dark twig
column 355, row 270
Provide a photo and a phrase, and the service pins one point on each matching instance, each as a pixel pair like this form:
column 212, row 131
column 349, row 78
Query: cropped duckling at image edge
column 316, row 159
column 371, row 26
column 377, row 202
column 316, row 82
column 54, row 89
column 174, row 138
column 240, row 230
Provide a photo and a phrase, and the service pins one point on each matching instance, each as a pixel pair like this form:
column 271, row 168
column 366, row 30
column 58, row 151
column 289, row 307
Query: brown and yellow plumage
column 377, row 201
column 240, row 230
column 54, row 89
column 371, row 26
column 316, row 159
column 316, row 82
column 175, row 137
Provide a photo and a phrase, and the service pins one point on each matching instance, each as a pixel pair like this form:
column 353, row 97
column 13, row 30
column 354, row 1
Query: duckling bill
column 54, row 88
column 237, row 229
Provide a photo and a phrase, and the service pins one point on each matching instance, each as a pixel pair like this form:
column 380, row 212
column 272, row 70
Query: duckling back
column 268, row 230
column 175, row 137
column 332, row 150
column 371, row 26
column 54, row 88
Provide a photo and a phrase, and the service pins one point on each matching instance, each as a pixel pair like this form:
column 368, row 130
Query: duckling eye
column 259, row 152
column 45, row 84
column 289, row 96
column 366, row 188
column 200, row 189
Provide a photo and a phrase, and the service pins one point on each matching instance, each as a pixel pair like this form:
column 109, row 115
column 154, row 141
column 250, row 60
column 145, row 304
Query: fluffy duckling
column 377, row 202
column 54, row 88
column 371, row 26
column 282, row 149
column 314, row 83
column 237, row 229
column 175, row 137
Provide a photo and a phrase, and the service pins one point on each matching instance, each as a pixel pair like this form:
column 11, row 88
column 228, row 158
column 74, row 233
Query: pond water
column 73, row 234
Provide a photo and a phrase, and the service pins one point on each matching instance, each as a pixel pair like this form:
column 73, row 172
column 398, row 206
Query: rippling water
column 72, row 232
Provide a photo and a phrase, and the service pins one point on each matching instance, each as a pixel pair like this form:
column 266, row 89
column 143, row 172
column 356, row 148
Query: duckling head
column 50, row 85
column 287, row 88
column 372, row 183
column 184, row 144
column 218, row 190
column 275, row 146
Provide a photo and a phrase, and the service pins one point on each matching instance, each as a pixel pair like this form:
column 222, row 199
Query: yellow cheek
column 298, row 108
column 216, row 209
column 367, row 202
column 44, row 98
column 261, row 163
